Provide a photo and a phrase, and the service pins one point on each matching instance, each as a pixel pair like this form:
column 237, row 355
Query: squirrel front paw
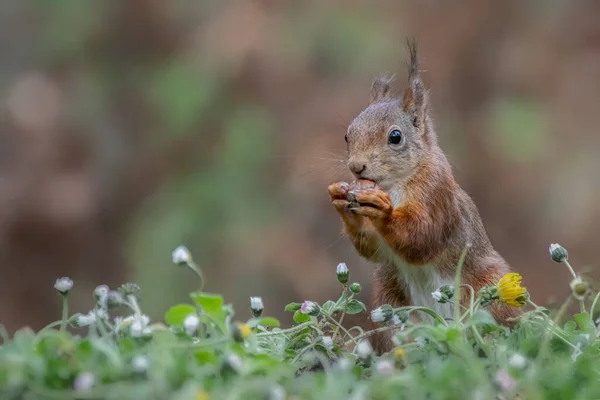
column 338, row 193
column 375, row 204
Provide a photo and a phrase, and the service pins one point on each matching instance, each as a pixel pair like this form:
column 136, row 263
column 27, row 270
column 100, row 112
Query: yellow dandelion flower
column 202, row 395
column 399, row 352
column 510, row 291
column 245, row 330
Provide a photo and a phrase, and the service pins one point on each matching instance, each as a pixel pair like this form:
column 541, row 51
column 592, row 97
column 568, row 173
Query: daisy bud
column 256, row 306
column 181, row 256
column 517, row 361
column 444, row 294
column 579, row 288
column 355, row 288
column 84, row 382
column 364, row 349
column 385, row 367
column 84, row 320
column 130, row 289
column 100, row 292
column 140, row 364
column 400, row 317
column 311, row 308
column 327, row 342
column 114, row 299
column 190, row 324
column 139, row 326
column 488, row 295
column 342, row 273
column 382, row 314
column 63, row 285
column 558, row 253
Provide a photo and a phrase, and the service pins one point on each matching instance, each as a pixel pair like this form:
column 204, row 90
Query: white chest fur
column 421, row 281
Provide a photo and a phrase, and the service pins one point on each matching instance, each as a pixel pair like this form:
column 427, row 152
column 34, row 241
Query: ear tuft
column 381, row 89
column 414, row 101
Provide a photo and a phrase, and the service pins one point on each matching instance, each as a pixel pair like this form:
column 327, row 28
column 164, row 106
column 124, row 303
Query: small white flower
column 139, row 326
column 190, row 324
column 504, row 381
column 86, row 319
column 437, row 295
column 342, row 273
column 383, row 313
column 84, row 381
column 385, row 367
column 181, row 256
column 234, row 361
column 277, row 393
column 256, row 306
column 364, row 349
column 63, row 285
column 310, row 308
column 344, row 364
column 140, row 363
column 328, row 342
column 517, row 361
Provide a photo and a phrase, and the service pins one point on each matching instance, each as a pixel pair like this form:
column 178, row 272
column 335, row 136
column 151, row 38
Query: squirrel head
column 390, row 138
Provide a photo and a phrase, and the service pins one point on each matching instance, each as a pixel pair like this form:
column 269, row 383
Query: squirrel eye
column 346, row 137
column 395, row 137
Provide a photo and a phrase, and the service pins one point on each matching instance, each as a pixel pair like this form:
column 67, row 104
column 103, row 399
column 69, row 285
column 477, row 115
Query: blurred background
column 130, row 127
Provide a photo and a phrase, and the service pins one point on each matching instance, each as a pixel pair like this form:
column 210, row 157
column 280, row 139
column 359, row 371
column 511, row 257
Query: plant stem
column 198, row 272
column 546, row 337
column 338, row 325
column 457, row 283
column 65, row 313
column 343, row 313
column 594, row 304
column 570, row 268
column 371, row 333
column 134, row 305
column 285, row 331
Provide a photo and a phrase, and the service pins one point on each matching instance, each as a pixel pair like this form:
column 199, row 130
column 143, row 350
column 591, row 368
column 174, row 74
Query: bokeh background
column 130, row 127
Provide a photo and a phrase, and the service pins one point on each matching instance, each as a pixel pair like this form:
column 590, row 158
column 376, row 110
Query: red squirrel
column 413, row 220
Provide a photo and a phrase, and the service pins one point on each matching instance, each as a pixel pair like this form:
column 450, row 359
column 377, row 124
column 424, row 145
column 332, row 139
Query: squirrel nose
column 357, row 167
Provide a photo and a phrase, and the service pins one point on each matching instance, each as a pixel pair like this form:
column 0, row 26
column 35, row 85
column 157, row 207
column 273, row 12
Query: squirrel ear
column 381, row 89
column 414, row 101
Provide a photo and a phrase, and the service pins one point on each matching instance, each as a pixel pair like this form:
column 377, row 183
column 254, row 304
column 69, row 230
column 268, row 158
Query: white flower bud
column 140, row 364
column 364, row 349
column 342, row 273
column 234, row 362
column 139, row 326
column 190, row 324
column 310, row 308
column 517, row 361
column 558, row 253
column 328, row 342
column 181, row 256
column 382, row 314
column 256, row 306
column 63, row 285
column 385, row 367
column 437, row 295
column 84, row 382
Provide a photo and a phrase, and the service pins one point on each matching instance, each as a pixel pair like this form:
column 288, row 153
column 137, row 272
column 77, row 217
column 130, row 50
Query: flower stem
column 461, row 261
column 198, row 272
column 285, row 331
column 570, row 268
column 65, row 313
column 343, row 313
column 134, row 305
column 338, row 325
column 594, row 304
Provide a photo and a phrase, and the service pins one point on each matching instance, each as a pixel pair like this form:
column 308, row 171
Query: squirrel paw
column 375, row 204
column 338, row 192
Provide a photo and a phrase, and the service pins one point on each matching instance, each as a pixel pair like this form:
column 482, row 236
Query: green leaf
column 212, row 305
column 328, row 307
column 293, row 307
column 300, row 317
column 482, row 317
column 570, row 327
column 177, row 314
column 269, row 321
column 354, row 307
column 205, row 357
column 209, row 302
column 585, row 322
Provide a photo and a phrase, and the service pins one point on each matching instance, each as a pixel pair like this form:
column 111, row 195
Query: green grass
column 202, row 351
